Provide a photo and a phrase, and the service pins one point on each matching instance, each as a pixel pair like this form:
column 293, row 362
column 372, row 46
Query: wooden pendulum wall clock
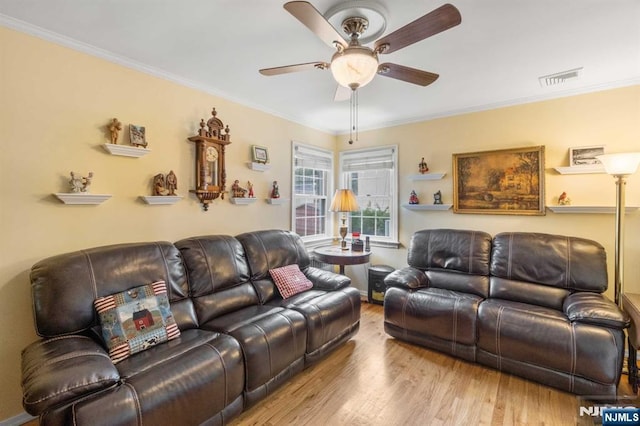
column 211, row 176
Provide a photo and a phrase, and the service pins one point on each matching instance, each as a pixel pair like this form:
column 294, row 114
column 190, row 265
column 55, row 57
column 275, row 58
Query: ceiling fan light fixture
column 354, row 67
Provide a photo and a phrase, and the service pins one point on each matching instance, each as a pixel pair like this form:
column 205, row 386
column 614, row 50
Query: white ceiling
column 492, row 59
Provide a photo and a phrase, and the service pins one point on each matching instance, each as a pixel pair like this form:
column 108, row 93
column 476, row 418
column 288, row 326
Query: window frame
column 343, row 180
column 325, row 155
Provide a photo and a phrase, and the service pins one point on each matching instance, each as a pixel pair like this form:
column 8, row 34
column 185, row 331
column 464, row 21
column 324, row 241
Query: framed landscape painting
column 508, row 181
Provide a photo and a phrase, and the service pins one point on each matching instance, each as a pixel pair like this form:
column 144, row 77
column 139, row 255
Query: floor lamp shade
column 620, row 166
column 344, row 200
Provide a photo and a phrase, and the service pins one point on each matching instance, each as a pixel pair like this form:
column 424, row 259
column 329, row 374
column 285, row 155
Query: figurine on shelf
column 437, row 197
column 275, row 192
column 159, row 185
column 250, row 187
column 422, row 166
column 114, row 127
column 236, row 190
column 172, row 183
column 413, row 198
column 564, row 200
column 80, row 183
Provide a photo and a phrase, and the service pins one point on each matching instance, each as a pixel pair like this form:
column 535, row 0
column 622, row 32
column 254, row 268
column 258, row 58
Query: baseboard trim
column 20, row 419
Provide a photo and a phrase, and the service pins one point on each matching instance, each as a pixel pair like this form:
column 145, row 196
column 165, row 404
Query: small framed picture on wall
column 585, row 155
column 260, row 154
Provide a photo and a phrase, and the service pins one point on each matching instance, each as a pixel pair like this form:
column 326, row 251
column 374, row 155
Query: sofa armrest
column 407, row 277
column 60, row 370
column 326, row 280
column 594, row 308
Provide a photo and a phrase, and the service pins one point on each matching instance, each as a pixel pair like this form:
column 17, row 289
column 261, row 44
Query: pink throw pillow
column 290, row 280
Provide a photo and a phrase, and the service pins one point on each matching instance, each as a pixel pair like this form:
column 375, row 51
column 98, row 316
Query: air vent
column 559, row 77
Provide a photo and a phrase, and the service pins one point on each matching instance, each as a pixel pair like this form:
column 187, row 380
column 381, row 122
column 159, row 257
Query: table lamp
column 620, row 166
column 344, row 201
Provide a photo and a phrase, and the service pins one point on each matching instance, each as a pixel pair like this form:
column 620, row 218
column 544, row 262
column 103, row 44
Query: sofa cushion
column 69, row 283
column 290, row 280
column 575, row 264
column 451, row 250
column 136, row 319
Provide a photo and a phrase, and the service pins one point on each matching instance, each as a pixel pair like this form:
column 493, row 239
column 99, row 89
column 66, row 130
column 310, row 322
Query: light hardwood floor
column 375, row 379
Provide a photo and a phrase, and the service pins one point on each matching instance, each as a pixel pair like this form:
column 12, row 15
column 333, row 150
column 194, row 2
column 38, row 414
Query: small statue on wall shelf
column 165, row 186
column 159, row 187
column 564, row 200
column 80, row 183
column 172, row 183
column 250, row 187
column 237, row 191
column 422, row 166
column 275, row 192
column 114, row 128
column 413, row 198
column 437, row 197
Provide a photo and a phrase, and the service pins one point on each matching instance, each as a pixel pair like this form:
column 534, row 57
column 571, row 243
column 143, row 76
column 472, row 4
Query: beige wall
column 55, row 103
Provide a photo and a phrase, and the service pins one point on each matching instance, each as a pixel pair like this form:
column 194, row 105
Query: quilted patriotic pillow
column 290, row 280
column 135, row 320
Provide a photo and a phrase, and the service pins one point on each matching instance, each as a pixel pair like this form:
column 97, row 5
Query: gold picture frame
column 260, row 154
column 508, row 181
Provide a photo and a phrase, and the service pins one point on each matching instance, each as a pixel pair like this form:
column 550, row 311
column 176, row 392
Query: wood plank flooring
column 375, row 379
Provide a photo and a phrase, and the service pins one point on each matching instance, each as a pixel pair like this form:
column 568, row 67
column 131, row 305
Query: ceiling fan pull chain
column 351, row 99
column 355, row 92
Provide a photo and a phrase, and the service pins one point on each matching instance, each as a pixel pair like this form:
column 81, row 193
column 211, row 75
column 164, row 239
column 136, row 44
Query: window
column 312, row 185
column 372, row 174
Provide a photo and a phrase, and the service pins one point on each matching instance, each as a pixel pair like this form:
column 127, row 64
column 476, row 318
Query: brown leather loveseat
column 529, row 304
column 238, row 339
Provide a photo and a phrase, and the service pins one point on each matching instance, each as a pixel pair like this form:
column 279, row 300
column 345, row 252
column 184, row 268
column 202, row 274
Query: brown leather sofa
column 529, row 304
column 239, row 340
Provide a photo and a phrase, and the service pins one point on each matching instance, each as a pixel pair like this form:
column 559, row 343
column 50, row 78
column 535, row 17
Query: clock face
column 211, row 154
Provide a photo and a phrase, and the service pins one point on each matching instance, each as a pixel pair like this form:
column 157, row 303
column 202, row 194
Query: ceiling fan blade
column 410, row 75
column 342, row 93
column 434, row 22
column 307, row 14
column 294, row 68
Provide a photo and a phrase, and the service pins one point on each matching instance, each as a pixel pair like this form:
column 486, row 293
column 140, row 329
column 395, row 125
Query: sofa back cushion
column 568, row 263
column 270, row 249
column 218, row 275
column 451, row 256
column 64, row 287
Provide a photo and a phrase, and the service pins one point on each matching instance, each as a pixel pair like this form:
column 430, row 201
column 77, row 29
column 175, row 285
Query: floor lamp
column 344, row 201
column 620, row 166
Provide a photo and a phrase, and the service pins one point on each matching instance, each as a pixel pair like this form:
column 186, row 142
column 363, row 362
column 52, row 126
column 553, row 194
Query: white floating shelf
column 161, row 199
column 277, row 201
column 242, row 201
column 579, row 170
column 427, row 176
column 589, row 209
column 81, row 197
column 258, row 166
column 427, row 206
column 126, row 150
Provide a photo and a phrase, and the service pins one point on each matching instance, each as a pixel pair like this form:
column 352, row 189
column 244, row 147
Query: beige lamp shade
column 620, row 164
column 344, row 200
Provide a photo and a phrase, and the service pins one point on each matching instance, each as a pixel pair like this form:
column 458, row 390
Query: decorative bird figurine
column 563, row 199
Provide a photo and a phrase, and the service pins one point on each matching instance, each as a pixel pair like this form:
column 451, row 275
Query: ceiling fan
column 354, row 65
